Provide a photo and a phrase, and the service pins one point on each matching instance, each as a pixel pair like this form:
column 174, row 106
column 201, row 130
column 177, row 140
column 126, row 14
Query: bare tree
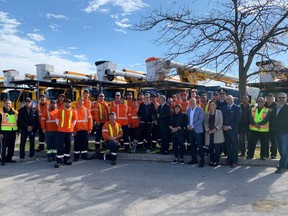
column 233, row 33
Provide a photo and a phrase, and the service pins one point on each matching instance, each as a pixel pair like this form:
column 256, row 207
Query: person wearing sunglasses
column 278, row 119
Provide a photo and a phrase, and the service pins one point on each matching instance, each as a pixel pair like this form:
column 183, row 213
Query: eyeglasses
column 281, row 97
column 261, row 102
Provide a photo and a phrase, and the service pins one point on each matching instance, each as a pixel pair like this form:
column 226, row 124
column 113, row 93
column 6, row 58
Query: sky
column 73, row 34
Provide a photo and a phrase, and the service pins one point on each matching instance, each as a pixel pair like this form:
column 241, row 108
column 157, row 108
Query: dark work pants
column 41, row 139
column 125, row 137
column 51, row 141
column 8, row 142
column 144, row 132
column 98, row 137
column 155, row 135
column 254, row 137
column 113, row 147
column 132, row 133
column 81, row 142
column 24, row 136
column 63, row 146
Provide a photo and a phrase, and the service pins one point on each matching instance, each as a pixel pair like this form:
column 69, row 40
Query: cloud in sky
column 22, row 53
column 54, row 27
column 35, row 37
column 123, row 23
column 127, row 6
column 56, row 16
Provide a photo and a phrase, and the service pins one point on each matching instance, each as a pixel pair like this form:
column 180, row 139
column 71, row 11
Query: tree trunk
column 242, row 82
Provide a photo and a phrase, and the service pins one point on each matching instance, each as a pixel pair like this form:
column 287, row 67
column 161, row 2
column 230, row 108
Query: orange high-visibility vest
column 48, row 120
column 66, row 117
column 100, row 111
column 122, row 114
column 134, row 119
column 111, row 130
column 84, row 119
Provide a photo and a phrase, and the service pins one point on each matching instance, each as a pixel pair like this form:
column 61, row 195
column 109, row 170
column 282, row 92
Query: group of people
column 218, row 123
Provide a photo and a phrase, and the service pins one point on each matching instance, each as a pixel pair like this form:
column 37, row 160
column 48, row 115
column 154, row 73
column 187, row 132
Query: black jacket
column 28, row 118
column 145, row 112
column 179, row 120
column 163, row 114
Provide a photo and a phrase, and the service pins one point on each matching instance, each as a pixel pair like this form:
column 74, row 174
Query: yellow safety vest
column 100, row 110
column 111, row 130
column 9, row 122
column 258, row 117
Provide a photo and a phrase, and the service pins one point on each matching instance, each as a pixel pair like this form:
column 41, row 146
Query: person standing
column 82, row 129
column 61, row 101
column 221, row 102
column 178, row 124
column 100, row 111
column 41, row 107
column 8, row 132
column 66, row 120
column 213, row 123
column 195, row 131
column 231, row 119
column 28, row 123
column 145, row 114
column 256, row 115
column 270, row 104
column 123, row 112
column 244, row 125
column 133, row 120
column 111, row 133
column 86, row 101
column 278, row 117
column 163, row 119
column 116, row 101
column 50, row 129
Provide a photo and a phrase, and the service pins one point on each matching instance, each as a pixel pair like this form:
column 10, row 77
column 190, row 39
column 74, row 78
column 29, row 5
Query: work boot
column 57, row 165
column 134, row 146
column 68, row 162
column 84, row 156
column 76, row 157
column 40, row 148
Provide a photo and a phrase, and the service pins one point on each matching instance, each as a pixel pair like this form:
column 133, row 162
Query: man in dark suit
column 231, row 119
column 278, row 118
column 195, row 131
column 163, row 120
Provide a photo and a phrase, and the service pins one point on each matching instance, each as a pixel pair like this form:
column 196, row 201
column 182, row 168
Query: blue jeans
column 193, row 139
column 282, row 144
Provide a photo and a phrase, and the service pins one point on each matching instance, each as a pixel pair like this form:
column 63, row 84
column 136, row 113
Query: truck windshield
column 13, row 95
column 52, row 94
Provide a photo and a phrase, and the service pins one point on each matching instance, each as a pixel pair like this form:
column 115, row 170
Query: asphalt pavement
column 141, row 186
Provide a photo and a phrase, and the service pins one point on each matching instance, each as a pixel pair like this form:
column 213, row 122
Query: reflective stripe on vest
column 85, row 116
column 258, row 117
column 111, row 130
column 63, row 118
column 100, row 110
column 125, row 115
column 9, row 122
column 49, row 117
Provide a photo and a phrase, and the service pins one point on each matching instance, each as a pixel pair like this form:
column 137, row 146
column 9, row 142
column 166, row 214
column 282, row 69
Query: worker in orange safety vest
column 99, row 111
column 60, row 101
column 66, row 120
column 134, row 120
column 111, row 132
column 87, row 101
column 123, row 113
column 41, row 107
column 82, row 130
column 50, row 129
